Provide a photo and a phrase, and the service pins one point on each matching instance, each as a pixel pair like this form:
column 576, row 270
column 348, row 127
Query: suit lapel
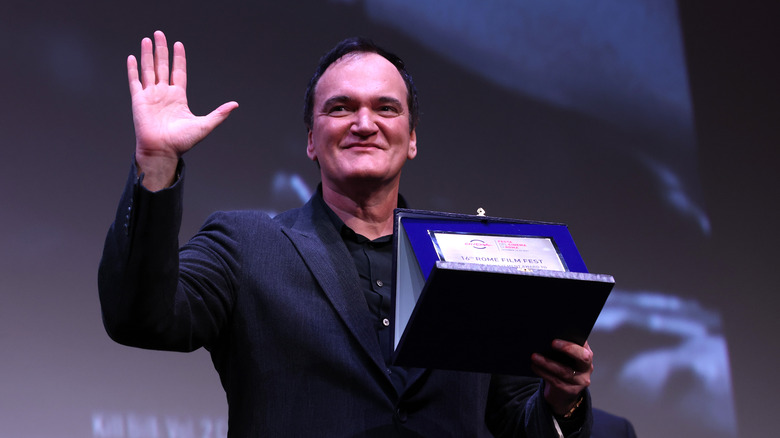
column 324, row 252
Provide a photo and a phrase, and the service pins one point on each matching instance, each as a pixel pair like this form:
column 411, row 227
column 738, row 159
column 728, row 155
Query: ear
column 310, row 148
column 412, row 145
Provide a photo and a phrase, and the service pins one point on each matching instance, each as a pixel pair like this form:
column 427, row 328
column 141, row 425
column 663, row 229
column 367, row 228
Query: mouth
column 363, row 146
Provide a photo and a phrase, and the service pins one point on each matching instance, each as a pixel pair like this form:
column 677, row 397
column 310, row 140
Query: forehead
column 359, row 75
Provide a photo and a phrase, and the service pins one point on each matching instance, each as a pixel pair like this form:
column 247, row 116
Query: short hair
column 360, row 45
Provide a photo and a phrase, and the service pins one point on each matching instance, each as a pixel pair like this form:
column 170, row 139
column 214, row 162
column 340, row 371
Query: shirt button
column 386, row 322
column 400, row 415
column 379, row 283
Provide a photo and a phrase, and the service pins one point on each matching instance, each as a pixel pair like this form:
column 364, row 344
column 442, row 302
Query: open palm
column 165, row 128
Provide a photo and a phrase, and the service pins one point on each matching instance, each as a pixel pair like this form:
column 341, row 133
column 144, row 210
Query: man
column 293, row 309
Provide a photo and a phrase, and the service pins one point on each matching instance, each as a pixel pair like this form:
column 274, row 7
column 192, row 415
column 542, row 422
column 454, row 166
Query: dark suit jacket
column 606, row 425
column 278, row 305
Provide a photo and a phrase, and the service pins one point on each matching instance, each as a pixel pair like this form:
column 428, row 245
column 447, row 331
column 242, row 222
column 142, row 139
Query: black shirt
column 374, row 262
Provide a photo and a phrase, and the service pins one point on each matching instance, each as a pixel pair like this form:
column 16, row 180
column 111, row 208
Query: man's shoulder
column 256, row 218
column 240, row 219
column 252, row 221
column 290, row 218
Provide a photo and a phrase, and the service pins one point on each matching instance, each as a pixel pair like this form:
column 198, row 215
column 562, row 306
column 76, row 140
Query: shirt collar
column 345, row 231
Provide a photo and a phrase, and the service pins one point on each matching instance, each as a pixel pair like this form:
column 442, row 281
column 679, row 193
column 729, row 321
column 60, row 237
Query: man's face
column 360, row 128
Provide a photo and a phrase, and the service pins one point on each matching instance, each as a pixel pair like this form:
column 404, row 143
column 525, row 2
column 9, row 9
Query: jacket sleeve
column 516, row 408
column 149, row 297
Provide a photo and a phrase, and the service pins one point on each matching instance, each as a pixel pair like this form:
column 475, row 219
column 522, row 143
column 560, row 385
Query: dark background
column 732, row 52
column 67, row 140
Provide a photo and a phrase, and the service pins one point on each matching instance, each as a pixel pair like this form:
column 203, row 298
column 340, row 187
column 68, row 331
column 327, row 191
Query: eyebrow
column 392, row 100
column 336, row 99
column 344, row 98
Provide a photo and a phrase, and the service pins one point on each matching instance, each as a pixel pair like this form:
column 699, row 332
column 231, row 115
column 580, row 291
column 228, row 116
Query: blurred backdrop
column 649, row 127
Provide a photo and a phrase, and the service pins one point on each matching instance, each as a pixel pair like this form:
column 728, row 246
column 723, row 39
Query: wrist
column 158, row 172
column 573, row 408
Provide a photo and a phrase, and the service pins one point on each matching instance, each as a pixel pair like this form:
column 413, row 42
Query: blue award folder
column 476, row 293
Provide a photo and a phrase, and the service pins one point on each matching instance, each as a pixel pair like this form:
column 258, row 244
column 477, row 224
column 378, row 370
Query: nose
column 364, row 124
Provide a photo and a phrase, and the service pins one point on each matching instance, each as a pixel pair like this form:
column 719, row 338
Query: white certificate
column 523, row 252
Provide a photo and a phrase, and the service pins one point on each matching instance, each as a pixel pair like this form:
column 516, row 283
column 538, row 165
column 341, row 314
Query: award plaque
column 476, row 293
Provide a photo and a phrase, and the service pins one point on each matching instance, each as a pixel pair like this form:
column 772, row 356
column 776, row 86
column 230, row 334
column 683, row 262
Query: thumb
column 216, row 117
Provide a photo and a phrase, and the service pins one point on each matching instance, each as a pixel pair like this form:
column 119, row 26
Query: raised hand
column 165, row 128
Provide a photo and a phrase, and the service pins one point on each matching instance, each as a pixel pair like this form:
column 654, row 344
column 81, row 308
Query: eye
column 338, row 110
column 388, row 110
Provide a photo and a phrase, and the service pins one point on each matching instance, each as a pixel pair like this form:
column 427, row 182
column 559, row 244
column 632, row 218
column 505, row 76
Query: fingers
column 555, row 372
column 582, row 355
column 179, row 71
column 576, row 372
column 155, row 68
column 132, row 75
column 562, row 386
column 564, row 382
column 147, row 63
column 161, row 57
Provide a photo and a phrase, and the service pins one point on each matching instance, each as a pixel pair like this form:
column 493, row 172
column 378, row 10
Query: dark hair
column 359, row 45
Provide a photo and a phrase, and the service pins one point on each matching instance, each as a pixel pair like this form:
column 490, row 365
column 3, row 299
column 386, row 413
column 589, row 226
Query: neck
column 368, row 213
